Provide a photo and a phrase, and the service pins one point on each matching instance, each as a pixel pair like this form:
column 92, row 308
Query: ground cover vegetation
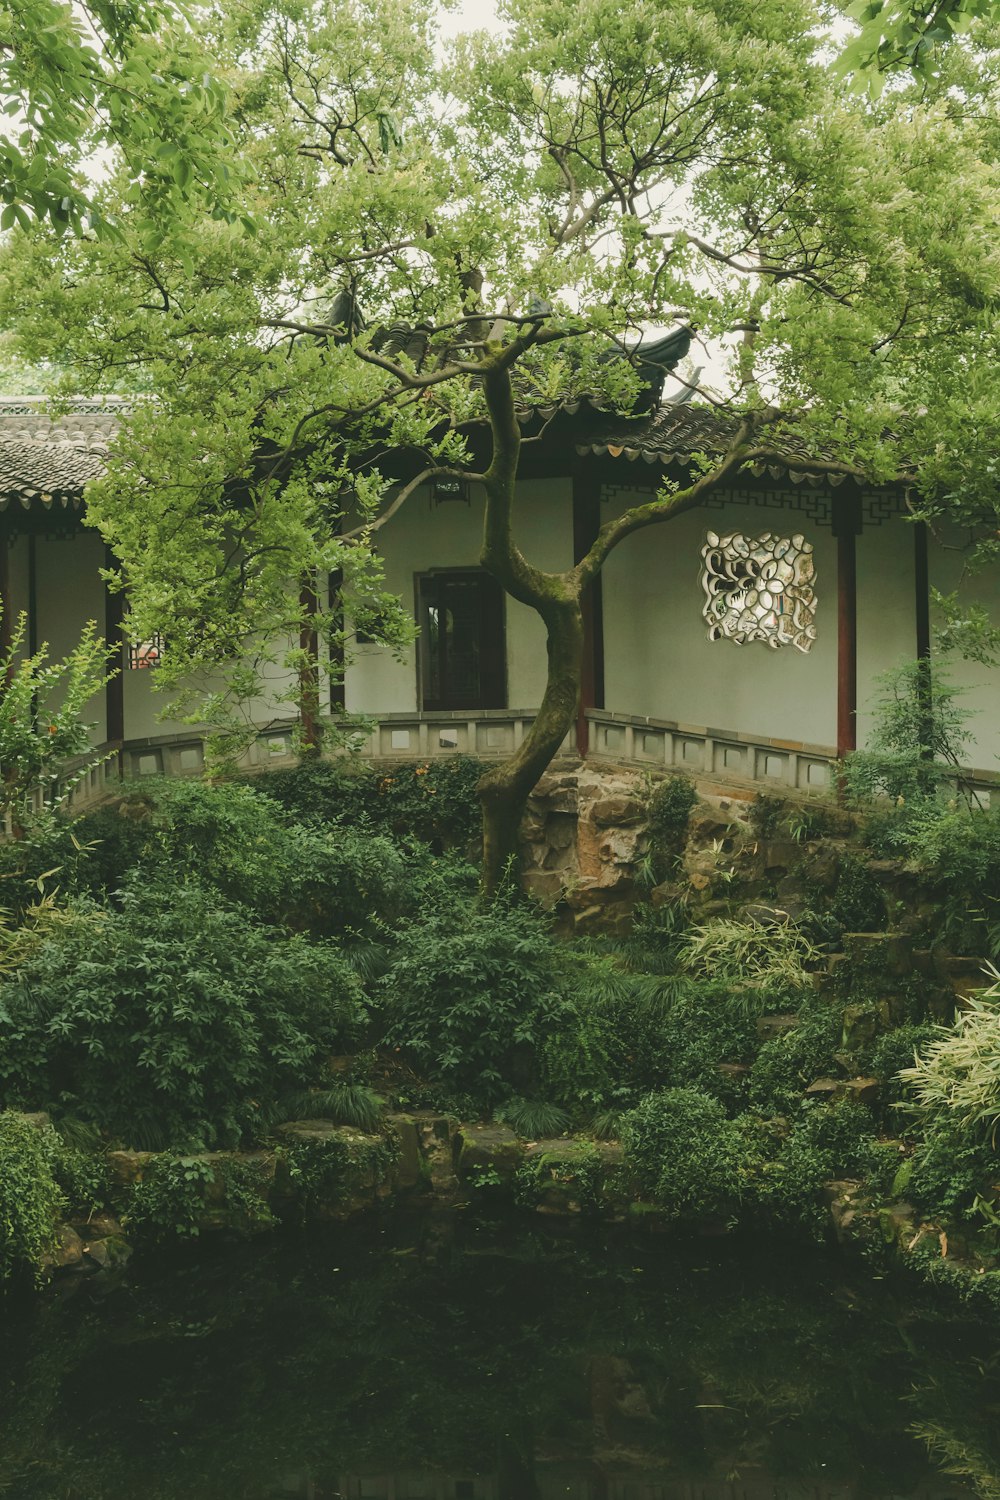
column 196, row 963
column 439, row 244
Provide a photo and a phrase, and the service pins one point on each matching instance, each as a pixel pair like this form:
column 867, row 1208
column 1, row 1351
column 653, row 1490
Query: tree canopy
column 907, row 34
column 441, row 237
column 127, row 76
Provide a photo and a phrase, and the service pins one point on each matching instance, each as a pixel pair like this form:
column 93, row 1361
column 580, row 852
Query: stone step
column 771, row 1026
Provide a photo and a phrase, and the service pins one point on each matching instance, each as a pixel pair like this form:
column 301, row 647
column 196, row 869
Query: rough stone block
column 560, row 831
column 127, row 1167
column 862, row 1090
column 310, row 1131
column 481, row 1148
column 617, row 812
column 66, row 1253
column 778, row 856
column 890, row 953
column 407, row 1172
column 667, row 894
column 771, row 1026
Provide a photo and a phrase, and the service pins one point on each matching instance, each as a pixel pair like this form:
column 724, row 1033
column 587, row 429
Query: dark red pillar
column 586, row 524
column 6, row 607
column 922, row 619
column 335, row 604
column 114, row 634
column 847, row 528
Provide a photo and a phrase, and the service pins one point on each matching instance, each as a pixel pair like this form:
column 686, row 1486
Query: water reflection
column 446, row 1361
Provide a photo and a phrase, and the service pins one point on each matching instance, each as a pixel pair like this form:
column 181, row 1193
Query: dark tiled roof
column 671, row 434
column 46, row 460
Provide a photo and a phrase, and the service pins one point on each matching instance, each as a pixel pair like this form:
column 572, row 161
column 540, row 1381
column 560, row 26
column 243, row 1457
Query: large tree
column 436, row 243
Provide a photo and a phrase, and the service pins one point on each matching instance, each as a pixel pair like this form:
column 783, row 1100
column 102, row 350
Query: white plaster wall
column 70, row 592
column 887, row 609
column 423, row 536
column 981, row 685
column 18, row 600
column 658, row 659
column 147, row 712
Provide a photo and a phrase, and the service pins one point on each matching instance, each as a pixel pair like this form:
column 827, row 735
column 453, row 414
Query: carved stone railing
column 714, row 757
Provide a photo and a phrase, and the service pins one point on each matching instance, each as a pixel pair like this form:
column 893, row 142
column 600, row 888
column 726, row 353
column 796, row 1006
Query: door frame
column 499, row 668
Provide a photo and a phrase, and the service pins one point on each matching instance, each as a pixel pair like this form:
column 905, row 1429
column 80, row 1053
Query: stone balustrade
column 728, row 758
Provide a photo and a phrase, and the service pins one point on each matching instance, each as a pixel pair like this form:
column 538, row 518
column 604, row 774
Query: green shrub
column 471, row 995
column 767, row 814
column 857, row 904
column 41, row 718
column 668, row 812
column 949, row 1172
column 169, row 1202
column 893, row 1051
column 787, row 1064
column 172, row 1020
column 322, row 1174
column 238, row 841
column 919, row 737
column 434, row 801
column 684, row 1153
column 625, row 1034
column 825, row 1143
column 31, row 1199
column 178, row 1195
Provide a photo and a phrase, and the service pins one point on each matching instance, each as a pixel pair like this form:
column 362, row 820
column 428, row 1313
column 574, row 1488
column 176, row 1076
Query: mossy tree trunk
column 505, row 788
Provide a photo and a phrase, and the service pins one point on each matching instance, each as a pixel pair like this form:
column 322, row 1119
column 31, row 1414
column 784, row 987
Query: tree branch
column 400, row 500
column 663, row 508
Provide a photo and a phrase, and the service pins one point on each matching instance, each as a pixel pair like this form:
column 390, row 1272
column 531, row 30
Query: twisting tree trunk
column 505, row 788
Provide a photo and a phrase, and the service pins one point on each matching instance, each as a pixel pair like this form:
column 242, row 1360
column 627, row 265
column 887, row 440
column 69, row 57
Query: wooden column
column 309, row 671
column 114, row 634
column 7, row 617
column 922, row 618
column 847, row 528
column 586, row 524
column 338, row 700
column 32, row 593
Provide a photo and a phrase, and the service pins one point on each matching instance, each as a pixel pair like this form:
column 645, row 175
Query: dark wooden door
column 461, row 654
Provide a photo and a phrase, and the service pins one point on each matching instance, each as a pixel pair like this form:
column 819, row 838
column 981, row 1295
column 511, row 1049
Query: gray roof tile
column 47, row 458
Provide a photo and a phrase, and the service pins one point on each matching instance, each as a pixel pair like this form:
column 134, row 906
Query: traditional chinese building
column 741, row 640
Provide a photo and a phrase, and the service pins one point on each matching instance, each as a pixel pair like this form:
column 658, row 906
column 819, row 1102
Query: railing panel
column 643, row 742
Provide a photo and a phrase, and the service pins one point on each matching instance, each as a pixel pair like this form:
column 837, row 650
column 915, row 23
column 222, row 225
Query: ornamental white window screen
column 759, row 588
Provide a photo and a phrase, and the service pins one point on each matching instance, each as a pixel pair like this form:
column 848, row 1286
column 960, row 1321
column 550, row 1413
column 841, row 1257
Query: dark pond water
column 444, row 1360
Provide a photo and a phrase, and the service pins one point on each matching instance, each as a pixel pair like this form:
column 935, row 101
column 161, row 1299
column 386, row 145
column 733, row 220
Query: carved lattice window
column 759, row 588
column 145, row 653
